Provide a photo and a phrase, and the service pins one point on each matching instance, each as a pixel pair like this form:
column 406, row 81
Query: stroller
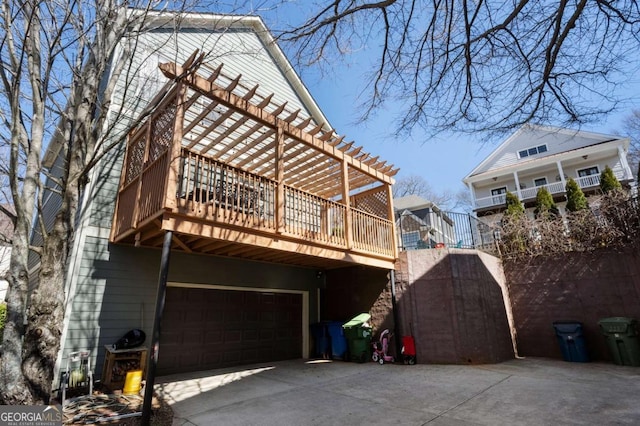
column 380, row 348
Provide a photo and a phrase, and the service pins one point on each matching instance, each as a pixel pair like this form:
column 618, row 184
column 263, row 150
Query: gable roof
column 556, row 139
column 411, row 202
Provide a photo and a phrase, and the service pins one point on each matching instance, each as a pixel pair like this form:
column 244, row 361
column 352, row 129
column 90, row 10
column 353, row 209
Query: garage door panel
column 212, row 337
column 252, row 316
column 211, row 359
column 232, row 357
column 267, row 317
column 195, row 316
column 232, row 336
column 250, row 336
column 211, row 328
column 190, row 360
column 233, row 314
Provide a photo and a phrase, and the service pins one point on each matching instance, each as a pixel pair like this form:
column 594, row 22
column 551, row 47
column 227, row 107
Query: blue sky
column 442, row 162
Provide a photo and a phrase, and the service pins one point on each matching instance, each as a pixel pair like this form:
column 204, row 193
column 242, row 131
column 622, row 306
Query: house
column 536, row 156
column 5, row 257
column 232, row 166
column 6, row 233
column 422, row 224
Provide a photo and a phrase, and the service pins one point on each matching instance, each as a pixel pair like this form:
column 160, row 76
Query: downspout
column 396, row 317
column 152, row 357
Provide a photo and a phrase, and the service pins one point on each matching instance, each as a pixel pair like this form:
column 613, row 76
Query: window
column 498, row 195
column 499, row 191
column 589, row 177
column 540, row 181
column 532, row 151
column 589, row 171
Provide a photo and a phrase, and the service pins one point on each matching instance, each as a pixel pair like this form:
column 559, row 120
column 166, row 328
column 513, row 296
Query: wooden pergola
column 232, row 172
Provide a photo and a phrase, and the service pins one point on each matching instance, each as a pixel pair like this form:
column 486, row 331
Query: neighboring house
column 421, row 224
column 259, row 194
column 5, row 257
column 6, row 233
column 536, row 156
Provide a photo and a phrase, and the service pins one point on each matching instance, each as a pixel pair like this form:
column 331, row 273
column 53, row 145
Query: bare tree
column 477, row 66
column 631, row 128
column 63, row 106
column 55, row 56
column 417, row 185
column 446, row 200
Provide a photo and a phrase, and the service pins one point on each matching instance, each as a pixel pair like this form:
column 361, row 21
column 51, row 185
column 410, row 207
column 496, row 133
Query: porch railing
column 553, row 188
column 530, row 193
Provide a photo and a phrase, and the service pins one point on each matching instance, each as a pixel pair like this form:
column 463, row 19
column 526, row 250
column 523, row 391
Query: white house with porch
column 540, row 156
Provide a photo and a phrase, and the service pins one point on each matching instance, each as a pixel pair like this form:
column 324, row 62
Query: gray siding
column 51, row 205
column 116, row 289
column 101, row 204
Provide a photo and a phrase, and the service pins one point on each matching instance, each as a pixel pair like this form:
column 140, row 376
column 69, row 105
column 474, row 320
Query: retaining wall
column 584, row 287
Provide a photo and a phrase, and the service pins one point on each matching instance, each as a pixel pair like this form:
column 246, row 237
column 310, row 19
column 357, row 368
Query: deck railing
column 371, row 233
column 215, row 191
column 210, row 190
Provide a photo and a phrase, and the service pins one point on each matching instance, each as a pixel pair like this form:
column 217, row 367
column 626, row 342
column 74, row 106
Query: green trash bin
column 358, row 334
column 621, row 335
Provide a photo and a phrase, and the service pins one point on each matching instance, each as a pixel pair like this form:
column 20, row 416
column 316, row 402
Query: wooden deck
column 219, row 166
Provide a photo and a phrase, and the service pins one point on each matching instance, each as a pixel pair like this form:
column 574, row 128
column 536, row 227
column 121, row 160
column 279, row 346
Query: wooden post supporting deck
column 347, row 202
column 280, row 223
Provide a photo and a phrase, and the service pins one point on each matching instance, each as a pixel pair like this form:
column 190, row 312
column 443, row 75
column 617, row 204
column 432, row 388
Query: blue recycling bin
column 321, row 338
column 571, row 341
column 338, row 340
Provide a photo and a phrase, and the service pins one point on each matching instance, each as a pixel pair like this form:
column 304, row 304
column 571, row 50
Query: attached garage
column 207, row 327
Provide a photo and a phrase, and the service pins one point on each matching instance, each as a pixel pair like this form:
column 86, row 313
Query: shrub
column 3, row 318
column 609, row 181
column 514, row 206
column 545, row 206
column 616, row 226
column 575, row 197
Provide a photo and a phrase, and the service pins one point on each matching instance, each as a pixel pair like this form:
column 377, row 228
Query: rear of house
column 260, row 195
column 535, row 157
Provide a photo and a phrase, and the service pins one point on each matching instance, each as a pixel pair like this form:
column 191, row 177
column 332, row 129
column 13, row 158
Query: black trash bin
column 321, row 338
column 571, row 340
column 622, row 339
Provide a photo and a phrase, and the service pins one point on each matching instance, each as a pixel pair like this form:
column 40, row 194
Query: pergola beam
column 237, row 103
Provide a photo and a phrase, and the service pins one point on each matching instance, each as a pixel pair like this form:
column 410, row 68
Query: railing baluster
column 249, row 199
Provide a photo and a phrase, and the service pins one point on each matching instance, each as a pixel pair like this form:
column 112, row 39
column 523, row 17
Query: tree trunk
column 13, row 386
column 45, row 316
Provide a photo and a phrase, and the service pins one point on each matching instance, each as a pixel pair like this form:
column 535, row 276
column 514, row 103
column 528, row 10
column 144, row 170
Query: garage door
column 211, row 328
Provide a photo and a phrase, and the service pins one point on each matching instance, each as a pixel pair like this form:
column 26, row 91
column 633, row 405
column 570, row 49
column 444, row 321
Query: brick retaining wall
column 583, row 287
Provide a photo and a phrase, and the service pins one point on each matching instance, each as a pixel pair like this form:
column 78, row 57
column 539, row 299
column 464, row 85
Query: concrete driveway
column 529, row 391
